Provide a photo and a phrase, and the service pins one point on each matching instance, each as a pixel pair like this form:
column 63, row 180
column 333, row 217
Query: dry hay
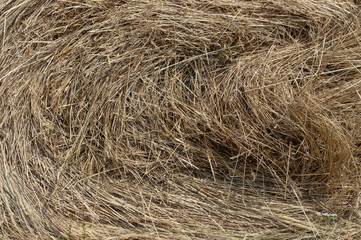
column 187, row 119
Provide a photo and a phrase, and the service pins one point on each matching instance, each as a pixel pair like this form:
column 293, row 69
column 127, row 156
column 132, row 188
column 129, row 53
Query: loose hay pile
column 188, row 119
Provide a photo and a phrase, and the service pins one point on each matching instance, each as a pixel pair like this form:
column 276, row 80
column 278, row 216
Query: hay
column 180, row 119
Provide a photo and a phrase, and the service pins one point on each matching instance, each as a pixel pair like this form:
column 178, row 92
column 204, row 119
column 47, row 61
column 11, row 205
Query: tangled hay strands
column 179, row 119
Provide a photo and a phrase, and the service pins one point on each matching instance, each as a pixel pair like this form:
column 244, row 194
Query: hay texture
column 184, row 119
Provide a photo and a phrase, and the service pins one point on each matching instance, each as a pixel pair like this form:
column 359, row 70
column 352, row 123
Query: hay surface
column 180, row 119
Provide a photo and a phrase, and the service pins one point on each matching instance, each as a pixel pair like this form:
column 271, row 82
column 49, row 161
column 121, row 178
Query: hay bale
column 179, row 119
